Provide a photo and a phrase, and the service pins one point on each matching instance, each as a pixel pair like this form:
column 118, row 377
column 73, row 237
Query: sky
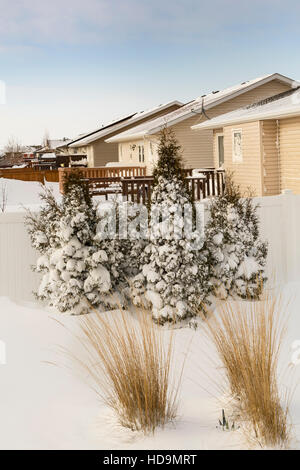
column 70, row 66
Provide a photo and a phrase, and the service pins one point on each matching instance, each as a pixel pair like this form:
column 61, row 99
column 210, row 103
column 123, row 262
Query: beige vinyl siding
column 198, row 145
column 270, row 158
column 129, row 152
column 248, row 173
column 104, row 152
column 289, row 139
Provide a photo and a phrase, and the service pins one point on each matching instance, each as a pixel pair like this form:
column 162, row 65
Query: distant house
column 260, row 143
column 53, row 145
column 29, row 151
column 93, row 144
column 139, row 144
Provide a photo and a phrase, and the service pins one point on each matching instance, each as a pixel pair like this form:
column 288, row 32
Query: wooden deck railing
column 212, row 183
column 104, row 186
column 139, row 188
column 131, row 182
column 103, row 172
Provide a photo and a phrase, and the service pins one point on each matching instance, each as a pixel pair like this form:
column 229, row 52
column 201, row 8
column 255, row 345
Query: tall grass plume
column 130, row 365
column 248, row 338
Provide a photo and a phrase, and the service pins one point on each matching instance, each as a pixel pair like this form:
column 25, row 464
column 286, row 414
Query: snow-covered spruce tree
column 63, row 286
column 235, row 252
column 75, row 271
column 109, row 252
column 43, row 226
column 123, row 250
column 176, row 274
column 133, row 247
column 43, row 229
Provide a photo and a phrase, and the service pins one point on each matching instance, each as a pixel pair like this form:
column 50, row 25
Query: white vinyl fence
column 17, row 280
column 279, row 221
column 280, row 226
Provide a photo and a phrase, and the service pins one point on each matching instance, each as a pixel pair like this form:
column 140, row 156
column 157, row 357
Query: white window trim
column 219, row 134
column 141, row 150
column 236, row 159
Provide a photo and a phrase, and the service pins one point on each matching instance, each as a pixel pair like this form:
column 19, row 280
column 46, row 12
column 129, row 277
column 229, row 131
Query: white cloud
column 95, row 21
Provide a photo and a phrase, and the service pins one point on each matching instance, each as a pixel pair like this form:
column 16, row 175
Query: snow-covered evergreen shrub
column 108, row 251
column 43, row 229
column 176, row 275
column 236, row 254
column 64, row 286
column 124, row 249
column 74, row 269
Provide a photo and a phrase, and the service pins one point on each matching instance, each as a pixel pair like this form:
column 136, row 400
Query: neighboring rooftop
column 204, row 102
column 53, row 144
column 119, row 125
column 280, row 106
column 49, row 155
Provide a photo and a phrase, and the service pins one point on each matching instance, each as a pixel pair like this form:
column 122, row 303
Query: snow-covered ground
column 20, row 194
column 46, row 406
column 23, row 193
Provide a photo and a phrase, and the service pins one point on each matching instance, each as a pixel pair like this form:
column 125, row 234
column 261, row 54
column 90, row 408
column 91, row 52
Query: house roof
column 202, row 102
column 119, row 125
column 277, row 107
column 48, row 156
column 53, row 144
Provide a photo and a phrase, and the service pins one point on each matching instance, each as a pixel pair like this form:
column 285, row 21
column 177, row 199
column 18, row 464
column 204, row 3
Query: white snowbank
column 24, row 193
column 47, row 407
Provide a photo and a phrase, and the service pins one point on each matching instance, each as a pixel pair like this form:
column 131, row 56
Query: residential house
column 53, row 146
column 139, row 144
column 93, row 144
column 260, row 143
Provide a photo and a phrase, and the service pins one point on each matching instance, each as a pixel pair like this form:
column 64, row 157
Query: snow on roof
column 285, row 104
column 54, row 144
column 119, row 124
column 205, row 101
column 48, row 155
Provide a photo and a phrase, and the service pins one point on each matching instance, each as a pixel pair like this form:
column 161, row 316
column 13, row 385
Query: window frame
column 220, row 134
column 237, row 158
column 141, row 154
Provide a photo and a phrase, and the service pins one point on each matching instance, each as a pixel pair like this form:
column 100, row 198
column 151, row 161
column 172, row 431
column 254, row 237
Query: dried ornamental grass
column 130, row 366
column 248, row 340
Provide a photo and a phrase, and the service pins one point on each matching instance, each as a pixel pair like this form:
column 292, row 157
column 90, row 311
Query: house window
column 220, row 147
column 237, row 152
column 141, row 154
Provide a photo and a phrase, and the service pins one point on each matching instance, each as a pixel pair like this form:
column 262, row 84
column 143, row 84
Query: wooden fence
column 29, row 174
